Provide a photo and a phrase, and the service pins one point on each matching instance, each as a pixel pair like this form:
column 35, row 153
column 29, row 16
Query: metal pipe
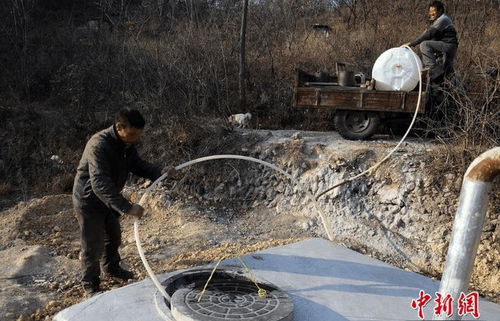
column 469, row 221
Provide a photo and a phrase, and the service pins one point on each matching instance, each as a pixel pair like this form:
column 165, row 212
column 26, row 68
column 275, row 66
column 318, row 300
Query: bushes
column 178, row 62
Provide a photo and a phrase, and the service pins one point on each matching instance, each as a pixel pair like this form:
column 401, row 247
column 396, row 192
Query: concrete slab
column 327, row 282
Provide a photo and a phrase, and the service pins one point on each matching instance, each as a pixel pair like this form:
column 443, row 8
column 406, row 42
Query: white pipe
column 374, row 167
column 251, row 159
column 469, row 221
column 204, row 159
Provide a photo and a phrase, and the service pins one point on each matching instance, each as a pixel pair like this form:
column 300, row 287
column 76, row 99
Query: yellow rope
column 210, row 278
column 261, row 292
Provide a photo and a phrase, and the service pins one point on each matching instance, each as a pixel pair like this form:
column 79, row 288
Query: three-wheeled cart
column 359, row 107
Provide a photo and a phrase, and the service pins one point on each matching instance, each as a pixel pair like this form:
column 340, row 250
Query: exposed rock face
column 400, row 213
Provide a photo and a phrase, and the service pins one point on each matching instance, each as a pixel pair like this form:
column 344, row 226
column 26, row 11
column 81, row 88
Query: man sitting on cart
column 440, row 39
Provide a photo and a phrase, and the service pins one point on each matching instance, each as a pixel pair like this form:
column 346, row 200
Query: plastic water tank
column 397, row 69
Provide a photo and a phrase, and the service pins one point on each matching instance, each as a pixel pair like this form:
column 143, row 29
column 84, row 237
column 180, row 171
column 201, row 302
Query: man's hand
column 136, row 211
column 171, row 172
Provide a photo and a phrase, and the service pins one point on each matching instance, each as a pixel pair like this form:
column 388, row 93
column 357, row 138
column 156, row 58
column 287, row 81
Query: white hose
column 204, row 159
column 369, row 170
column 251, row 159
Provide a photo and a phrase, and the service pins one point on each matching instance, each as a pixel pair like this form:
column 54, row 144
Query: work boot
column 91, row 289
column 121, row 274
column 436, row 74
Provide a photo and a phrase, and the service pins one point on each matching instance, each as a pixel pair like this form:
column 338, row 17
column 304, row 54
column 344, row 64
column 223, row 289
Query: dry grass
column 6, row 189
column 180, row 67
column 294, row 152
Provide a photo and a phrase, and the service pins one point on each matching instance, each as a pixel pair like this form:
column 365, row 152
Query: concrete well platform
column 327, row 282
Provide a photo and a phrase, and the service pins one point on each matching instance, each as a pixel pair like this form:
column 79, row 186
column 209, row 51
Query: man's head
column 129, row 124
column 436, row 9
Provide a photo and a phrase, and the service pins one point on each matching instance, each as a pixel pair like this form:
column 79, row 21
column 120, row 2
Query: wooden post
column 242, row 56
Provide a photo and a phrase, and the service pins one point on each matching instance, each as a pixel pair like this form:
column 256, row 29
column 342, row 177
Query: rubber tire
column 342, row 121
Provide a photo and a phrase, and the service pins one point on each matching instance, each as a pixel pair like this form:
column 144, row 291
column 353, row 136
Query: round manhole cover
column 229, row 297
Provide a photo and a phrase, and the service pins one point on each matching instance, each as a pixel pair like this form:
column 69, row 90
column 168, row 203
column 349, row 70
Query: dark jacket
column 104, row 169
column 442, row 29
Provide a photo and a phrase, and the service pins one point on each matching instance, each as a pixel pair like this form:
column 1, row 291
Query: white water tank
column 397, row 69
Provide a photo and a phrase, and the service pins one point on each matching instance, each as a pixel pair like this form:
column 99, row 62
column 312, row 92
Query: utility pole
column 242, row 55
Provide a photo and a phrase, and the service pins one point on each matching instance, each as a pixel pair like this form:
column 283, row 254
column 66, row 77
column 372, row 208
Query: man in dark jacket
column 108, row 158
column 439, row 38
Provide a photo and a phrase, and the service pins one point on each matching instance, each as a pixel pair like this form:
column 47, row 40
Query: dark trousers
column 429, row 47
column 100, row 236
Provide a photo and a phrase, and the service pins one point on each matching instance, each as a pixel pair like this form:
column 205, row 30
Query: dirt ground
column 178, row 237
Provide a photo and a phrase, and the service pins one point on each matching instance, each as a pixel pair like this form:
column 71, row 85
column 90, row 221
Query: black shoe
column 91, row 289
column 436, row 74
column 121, row 274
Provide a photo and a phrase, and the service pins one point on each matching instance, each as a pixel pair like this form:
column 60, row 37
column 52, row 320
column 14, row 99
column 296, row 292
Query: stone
column 388, row 194
column 51, row 304
column 314, row 187
column 410, row 187
column 395, row 209
column 270, row 193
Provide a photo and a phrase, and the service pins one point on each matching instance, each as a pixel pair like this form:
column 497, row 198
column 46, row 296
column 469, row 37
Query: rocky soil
column 402, row 214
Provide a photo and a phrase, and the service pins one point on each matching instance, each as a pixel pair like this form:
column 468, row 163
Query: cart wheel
column 356, row 124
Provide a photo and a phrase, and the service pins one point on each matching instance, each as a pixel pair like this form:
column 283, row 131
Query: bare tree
column 242, row 55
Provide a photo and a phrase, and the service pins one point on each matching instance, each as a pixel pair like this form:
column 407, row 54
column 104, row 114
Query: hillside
column 68, row 66
column 402, row 214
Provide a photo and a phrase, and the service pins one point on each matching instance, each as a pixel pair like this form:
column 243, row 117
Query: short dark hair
column 438, row 5
column 130, row 117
